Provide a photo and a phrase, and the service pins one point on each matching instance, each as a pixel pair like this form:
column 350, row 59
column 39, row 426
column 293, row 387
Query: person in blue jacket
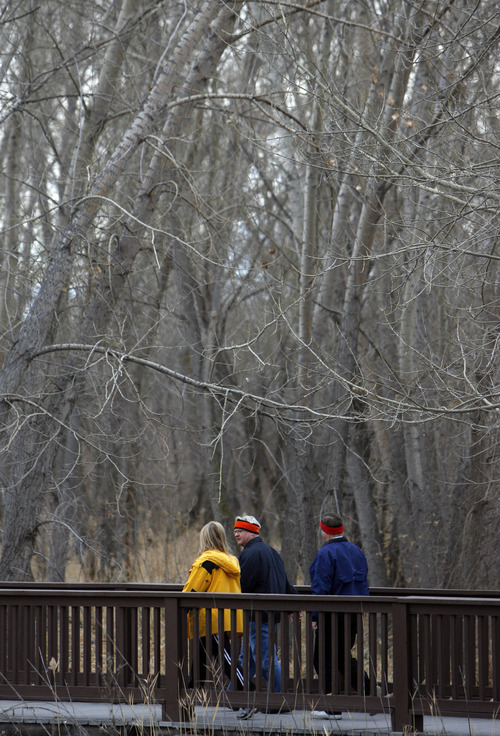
column 339, row 568
column 262, row 571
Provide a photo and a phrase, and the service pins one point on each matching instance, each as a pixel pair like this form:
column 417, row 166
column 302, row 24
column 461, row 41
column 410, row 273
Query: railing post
column 403, row 716
column 121, row 646
column 171, row 705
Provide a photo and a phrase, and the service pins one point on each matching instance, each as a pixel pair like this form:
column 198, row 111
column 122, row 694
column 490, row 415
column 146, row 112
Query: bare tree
column 245, row 270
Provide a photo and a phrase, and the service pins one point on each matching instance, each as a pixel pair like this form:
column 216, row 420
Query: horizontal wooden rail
column 177, row 587
column 422, row 654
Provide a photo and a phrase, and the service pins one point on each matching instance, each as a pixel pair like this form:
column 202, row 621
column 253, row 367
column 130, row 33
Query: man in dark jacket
column 339, row 568
column 262, row 571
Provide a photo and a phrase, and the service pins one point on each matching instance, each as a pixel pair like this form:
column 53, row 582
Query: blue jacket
column 339, row 568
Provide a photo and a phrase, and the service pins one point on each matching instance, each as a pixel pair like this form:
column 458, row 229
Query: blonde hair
column 213, row 536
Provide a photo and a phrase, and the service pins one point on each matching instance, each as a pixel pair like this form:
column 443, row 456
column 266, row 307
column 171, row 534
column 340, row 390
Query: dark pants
column 326, row 640
column 208, row 668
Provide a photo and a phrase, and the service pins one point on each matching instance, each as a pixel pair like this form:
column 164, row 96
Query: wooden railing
column 423, row 654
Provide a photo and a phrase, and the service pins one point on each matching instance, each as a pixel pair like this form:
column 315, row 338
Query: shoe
column 245, row 713
column 323, row 714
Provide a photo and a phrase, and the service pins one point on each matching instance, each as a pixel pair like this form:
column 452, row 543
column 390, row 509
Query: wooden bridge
column 424, row 653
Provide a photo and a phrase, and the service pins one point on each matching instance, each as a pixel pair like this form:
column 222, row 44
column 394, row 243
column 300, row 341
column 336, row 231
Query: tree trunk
column 358, row 464
column 22, row 515
column 348, row 373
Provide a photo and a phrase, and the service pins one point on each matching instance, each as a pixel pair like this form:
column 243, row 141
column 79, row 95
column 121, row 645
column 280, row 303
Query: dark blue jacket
column 262, row 569
column 339, row 568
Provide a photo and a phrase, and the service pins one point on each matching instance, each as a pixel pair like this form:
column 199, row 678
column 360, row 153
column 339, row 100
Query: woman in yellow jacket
column 216, row 570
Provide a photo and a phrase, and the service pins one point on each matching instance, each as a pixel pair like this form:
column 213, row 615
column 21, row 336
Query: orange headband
column 334, row 530
column 239, row 524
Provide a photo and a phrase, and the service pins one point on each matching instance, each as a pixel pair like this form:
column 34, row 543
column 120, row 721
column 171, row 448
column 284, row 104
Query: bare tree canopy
column 249, row 265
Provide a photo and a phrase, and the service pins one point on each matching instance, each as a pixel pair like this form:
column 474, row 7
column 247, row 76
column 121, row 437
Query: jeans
column 265, row 655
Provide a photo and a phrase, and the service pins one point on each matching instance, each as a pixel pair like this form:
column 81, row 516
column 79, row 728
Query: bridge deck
column 214, row 720
column 423, row 655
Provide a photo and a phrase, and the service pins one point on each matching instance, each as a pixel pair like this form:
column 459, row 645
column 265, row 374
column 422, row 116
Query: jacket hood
column 228, row 563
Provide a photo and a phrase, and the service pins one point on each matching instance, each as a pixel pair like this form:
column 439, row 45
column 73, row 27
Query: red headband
column 333, row 530
column 239, row 524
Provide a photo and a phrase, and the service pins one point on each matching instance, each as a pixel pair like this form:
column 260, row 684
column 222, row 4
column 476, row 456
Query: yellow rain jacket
column 214, row 572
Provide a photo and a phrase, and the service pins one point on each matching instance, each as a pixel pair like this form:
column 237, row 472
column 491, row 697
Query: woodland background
column 249, row 264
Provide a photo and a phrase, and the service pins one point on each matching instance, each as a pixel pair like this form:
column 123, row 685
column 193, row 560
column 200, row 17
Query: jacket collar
column 337, row 539
column 252, row 541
